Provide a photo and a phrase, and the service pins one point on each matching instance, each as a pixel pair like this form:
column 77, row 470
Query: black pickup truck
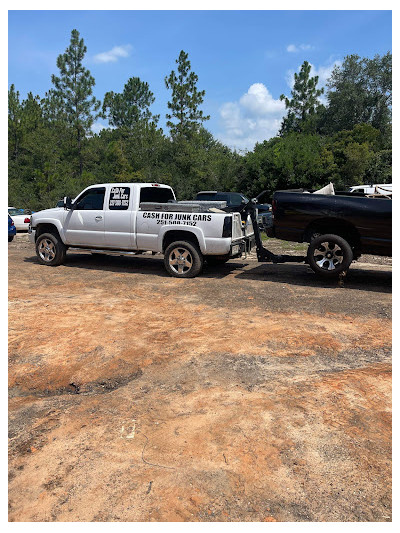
column 339, row 227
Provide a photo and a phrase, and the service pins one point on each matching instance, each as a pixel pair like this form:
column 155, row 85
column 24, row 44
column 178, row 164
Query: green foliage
column 360, row 92
column 304, row 105
column 14, row 123
column 298, row 160
column 186, row 99
column 126, row 109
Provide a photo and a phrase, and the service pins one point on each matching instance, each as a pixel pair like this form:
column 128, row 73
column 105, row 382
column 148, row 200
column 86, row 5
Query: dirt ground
column 255, row 392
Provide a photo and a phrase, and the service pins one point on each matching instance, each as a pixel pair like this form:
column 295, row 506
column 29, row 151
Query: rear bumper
column 237, row 249
column 245, row 245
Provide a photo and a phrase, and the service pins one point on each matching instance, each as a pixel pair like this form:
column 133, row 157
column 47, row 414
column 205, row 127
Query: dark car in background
column 12, row 230
column 235, row 201
column 264, row 216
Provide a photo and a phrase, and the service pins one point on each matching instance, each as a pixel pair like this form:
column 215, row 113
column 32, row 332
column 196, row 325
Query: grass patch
column 278, row 246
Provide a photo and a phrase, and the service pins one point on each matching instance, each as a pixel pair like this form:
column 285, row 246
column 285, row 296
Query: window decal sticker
column 119, row 198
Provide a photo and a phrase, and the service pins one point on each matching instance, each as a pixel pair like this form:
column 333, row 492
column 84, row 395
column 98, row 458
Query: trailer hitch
column 263, row 254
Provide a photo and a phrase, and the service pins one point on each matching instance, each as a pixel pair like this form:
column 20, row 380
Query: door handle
column 99, row 217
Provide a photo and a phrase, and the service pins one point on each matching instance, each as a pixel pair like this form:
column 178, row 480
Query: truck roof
column 125, row 184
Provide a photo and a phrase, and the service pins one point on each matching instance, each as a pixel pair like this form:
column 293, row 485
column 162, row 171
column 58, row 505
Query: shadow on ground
column 366, row 279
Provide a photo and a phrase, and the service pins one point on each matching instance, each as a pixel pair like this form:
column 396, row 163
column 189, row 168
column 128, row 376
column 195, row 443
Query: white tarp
column 328, row 189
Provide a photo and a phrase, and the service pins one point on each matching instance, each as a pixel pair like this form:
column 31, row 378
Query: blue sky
column 244, row 59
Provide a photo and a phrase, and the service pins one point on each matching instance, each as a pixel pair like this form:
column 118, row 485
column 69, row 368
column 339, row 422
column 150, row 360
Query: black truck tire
column 50, row 249
column 329, row 255
column 183, row 259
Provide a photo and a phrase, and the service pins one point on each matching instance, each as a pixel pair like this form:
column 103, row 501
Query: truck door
column 119, row 219
column 84, row 224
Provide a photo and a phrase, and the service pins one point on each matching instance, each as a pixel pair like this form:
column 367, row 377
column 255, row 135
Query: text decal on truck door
column 119, row 198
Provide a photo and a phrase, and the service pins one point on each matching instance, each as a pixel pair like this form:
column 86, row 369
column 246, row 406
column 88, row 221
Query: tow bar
column 263, row 254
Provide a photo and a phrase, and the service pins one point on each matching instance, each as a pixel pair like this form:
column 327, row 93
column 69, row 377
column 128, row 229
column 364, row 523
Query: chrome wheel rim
column 47, row 250
column 328, row 255
column 180, row 260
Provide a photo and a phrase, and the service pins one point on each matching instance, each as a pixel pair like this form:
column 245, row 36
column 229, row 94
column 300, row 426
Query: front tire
column 50, row 249
column 183, row 259
column 329, row 255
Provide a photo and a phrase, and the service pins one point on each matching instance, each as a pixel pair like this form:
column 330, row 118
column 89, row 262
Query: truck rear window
column 159, row 195
column 207, row 196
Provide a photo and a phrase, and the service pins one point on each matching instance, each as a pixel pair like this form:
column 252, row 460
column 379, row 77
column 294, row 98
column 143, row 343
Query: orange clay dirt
column 251, row 393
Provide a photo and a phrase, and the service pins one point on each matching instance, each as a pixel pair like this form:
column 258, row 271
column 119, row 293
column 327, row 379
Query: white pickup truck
column 130, row 218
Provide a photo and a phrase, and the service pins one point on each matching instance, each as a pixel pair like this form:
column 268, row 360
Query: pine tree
column 304, row 104
column 131, row 107
column 75, row 88
column 186, row 99
column 14, row 122
column 32, row 113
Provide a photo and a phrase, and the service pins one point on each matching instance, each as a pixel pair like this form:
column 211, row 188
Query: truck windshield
column 159, row 195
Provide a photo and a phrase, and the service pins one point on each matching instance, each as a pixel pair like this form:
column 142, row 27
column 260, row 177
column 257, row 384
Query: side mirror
column 67, row 202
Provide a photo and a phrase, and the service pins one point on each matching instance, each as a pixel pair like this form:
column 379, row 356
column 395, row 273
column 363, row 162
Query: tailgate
column 237, row 232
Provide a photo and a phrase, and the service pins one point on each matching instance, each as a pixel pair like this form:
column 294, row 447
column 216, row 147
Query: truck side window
column 92, row 199
column 222, row 197
column 156, row 194
column 238, row 199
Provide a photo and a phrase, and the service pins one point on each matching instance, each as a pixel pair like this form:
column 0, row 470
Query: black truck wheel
column 50, row 249
column 329, row 255
column 183, row 259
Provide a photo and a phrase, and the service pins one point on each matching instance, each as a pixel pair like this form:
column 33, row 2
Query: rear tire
column 183, row 259
column 50, row 249
column 329, row 255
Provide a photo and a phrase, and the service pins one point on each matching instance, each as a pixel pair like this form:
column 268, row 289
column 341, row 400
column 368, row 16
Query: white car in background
column 21, row 218
column 380, row 189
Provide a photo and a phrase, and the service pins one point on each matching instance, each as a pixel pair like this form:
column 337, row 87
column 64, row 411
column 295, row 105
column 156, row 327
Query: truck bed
column 184, row 206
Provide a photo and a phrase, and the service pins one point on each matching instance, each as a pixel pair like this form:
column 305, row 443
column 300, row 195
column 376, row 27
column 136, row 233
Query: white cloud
column 301, row 47
column 97, row 127
column 324, row 72
column 254, row 118
column 259, row 101
column 114, row 54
